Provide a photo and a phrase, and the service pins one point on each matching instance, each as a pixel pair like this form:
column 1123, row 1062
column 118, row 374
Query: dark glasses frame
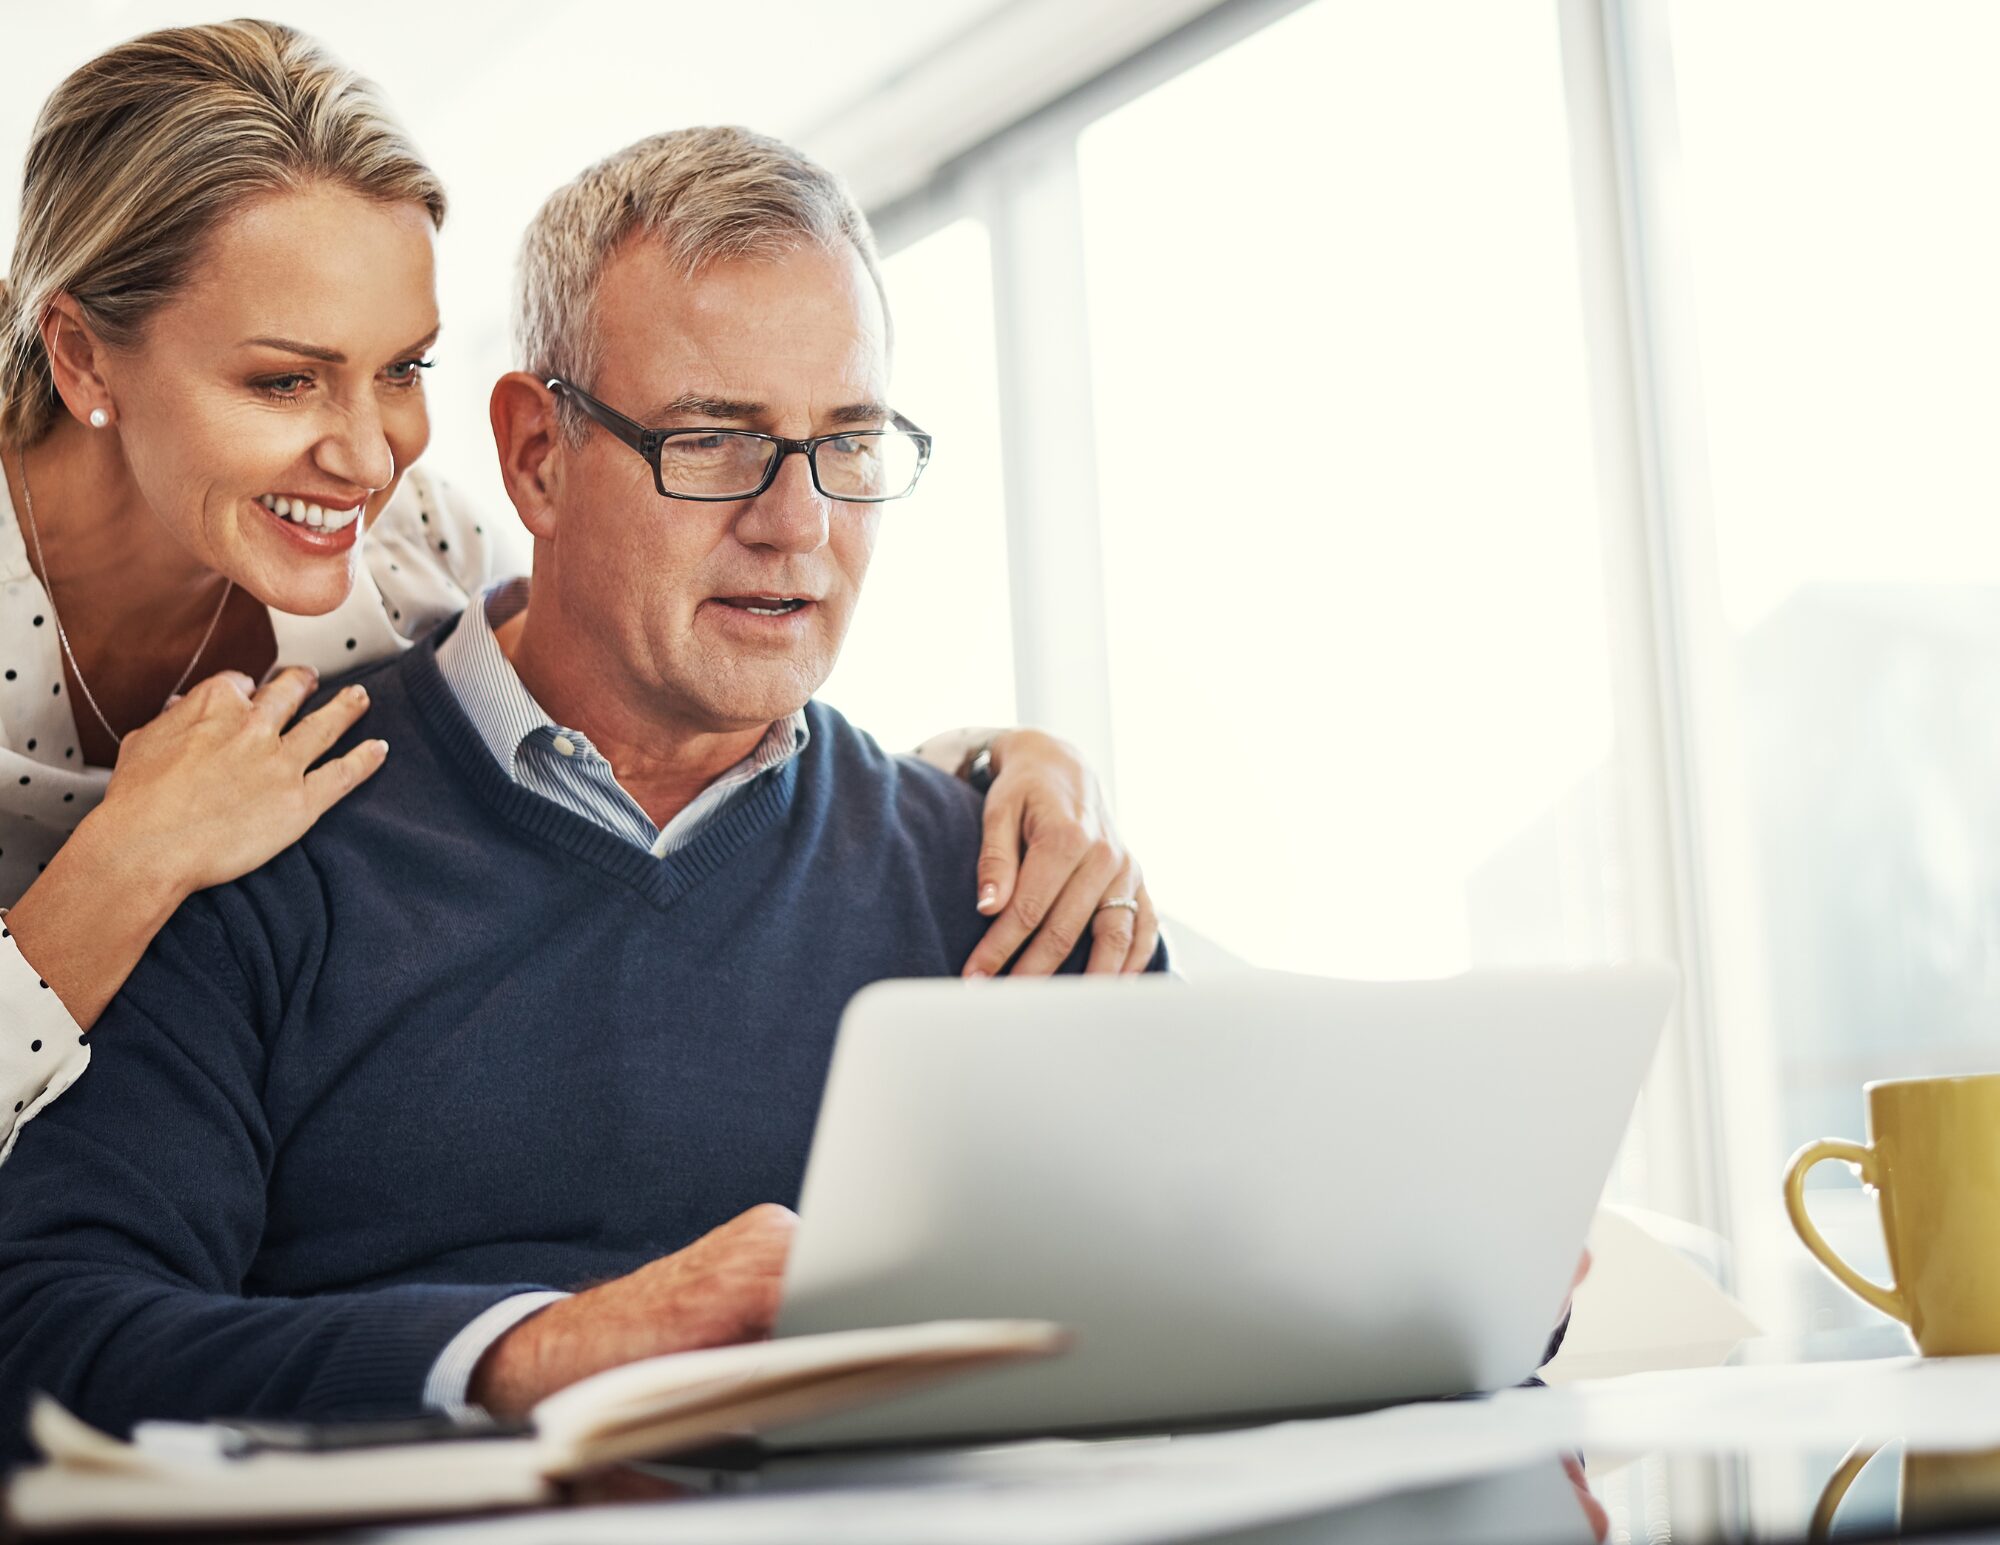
column 648, row 443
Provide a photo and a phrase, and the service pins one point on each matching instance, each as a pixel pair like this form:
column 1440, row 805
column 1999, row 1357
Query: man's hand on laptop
column 721, row 1289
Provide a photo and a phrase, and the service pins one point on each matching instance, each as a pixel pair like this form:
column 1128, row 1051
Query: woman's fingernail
column 976, row 976
column 358, row 692
column 381, row 747
column 989, row 896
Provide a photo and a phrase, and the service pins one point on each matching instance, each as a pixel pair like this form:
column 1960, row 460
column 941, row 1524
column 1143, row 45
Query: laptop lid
column 1260, row 1194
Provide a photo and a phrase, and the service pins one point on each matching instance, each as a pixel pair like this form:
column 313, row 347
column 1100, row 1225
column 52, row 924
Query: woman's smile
column 311, row 526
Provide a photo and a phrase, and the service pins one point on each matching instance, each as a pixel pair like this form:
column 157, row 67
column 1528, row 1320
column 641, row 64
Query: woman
column 182, row 377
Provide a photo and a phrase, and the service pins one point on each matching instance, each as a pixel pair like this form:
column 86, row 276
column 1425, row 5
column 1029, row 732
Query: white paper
column 1644, row 1306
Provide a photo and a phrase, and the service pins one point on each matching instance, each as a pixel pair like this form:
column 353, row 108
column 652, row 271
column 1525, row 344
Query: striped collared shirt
column 558, row 763
column 561, row 764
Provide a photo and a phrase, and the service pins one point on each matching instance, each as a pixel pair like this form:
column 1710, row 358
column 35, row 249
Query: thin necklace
column 49, row 584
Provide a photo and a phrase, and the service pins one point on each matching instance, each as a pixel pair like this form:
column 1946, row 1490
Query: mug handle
column 1888, row 1299
column 1835, row 1491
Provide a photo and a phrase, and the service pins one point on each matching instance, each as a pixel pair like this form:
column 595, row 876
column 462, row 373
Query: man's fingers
column 1112, row 929
column 314, row 735
column 283, row 695
column 999, row 853
column 765, row 1230
column 1069, row 919
column 1041, row 881
column 1145, row 933
column 750, row 1251
column 766, row 1218
column 329, row 784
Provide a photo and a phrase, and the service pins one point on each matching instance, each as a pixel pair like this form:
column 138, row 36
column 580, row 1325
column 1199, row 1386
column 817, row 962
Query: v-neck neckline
column 661, row 880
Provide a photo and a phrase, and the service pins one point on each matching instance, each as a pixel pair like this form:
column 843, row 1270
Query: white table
column 1457, row 1470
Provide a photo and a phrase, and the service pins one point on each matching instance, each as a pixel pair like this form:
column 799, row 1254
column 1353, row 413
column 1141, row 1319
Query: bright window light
column 1843, row 255
column 1361, row 701
column 931, row 647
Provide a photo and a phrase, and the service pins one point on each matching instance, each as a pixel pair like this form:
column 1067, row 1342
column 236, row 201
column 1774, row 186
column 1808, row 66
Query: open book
column 645, row 1410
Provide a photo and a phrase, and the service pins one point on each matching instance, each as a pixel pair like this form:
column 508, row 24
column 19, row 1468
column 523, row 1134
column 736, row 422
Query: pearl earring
column 99, row 418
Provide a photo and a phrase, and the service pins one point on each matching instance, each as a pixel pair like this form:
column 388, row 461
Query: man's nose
column 791, row 515
column 355, row 448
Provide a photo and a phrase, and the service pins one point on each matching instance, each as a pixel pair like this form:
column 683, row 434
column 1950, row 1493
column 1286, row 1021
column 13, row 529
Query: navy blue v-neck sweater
column 457, row 1043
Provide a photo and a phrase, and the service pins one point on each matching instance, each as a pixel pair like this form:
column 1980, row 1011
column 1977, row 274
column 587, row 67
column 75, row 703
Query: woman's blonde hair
column 139, row 154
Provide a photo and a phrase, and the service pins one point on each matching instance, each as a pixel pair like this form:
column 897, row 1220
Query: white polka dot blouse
column 423, row 556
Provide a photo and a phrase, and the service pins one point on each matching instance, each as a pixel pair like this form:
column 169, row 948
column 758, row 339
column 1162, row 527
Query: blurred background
column 1486, row 481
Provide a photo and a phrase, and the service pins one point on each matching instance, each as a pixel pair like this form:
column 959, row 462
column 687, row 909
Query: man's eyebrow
column 695, row 405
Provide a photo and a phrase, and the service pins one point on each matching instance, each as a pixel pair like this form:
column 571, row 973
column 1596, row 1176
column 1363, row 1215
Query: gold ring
column 1129, row 903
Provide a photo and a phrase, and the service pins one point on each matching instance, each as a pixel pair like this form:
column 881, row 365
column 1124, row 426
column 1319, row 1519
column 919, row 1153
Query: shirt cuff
column 42, row 1050
column 451, row 1374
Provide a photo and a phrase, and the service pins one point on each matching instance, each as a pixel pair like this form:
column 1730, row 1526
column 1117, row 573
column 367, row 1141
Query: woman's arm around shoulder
column 1053, row 870
column 210, row 790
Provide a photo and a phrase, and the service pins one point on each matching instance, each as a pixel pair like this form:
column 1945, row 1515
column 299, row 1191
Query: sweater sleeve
column 42, row 1050
column 130, row 1221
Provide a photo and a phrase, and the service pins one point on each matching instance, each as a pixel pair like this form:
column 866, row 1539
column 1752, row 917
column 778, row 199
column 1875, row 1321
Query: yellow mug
column 1933, row 1157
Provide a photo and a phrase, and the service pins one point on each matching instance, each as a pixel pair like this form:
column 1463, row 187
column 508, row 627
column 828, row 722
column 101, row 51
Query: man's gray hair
column 707, row 195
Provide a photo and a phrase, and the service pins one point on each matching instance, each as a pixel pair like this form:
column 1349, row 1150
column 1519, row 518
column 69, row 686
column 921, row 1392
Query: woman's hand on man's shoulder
column 223, row 780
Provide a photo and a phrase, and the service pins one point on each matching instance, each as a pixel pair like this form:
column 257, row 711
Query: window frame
column 1671, row 756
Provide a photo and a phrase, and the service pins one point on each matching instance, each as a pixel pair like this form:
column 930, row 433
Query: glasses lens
column 718, row 464
column 873, row 464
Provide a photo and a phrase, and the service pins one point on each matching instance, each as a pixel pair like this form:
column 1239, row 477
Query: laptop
column 1260, row 1195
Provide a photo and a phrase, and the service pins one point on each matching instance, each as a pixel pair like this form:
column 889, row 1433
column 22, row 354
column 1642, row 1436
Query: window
column 930, row 645
column 1842, row 256
column 1355, row 593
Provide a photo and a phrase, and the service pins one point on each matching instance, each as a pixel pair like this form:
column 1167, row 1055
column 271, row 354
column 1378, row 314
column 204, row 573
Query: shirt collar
column 483, row 680
column 504, row 712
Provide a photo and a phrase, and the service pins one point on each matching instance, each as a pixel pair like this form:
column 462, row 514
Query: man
column 549, row 1001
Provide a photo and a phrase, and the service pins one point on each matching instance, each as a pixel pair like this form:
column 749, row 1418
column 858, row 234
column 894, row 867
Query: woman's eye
column 405, row 371
column 284, row 386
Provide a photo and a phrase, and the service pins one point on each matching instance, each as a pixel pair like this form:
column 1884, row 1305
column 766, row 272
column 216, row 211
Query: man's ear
column 76, row 360
column 528, row 435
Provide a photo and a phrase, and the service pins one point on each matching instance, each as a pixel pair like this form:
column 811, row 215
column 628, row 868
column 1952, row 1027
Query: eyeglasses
column 858, row 466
